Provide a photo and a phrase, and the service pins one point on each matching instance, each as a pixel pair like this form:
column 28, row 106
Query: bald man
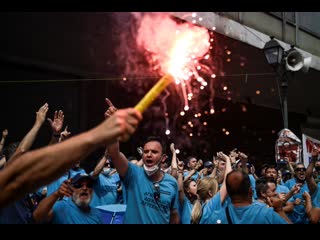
column 240, row 208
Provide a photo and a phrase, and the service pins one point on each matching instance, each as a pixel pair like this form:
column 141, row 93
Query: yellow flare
column 154, row 92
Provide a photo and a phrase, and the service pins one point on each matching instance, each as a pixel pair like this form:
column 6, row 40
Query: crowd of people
column 48, row 185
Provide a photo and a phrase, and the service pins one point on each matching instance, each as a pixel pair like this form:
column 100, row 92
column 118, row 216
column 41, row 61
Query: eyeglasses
column 156, row 194
column 80, row 185
column 300, row 169
column 107, row 164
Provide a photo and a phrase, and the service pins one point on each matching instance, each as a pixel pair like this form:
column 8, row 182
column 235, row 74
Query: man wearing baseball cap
column 73, row 210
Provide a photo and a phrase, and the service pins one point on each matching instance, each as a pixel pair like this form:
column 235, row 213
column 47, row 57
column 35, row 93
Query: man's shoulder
column 170, row 178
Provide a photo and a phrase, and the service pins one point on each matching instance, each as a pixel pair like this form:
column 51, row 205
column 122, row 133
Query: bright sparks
column 177, row 54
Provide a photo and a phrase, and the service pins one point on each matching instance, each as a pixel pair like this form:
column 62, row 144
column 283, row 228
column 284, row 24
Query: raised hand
column 57, row 122
column 65, row 189
column 122, row 123
column 64, row 134
column 233, row 156
column 314, row 152
column 223, row 156
column 243, row 156
column 111, row 109
column 41, row 114
column 5, row 133
column 173, row 150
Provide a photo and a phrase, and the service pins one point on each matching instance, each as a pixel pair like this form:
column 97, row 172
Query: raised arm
column 120, row 161
column 64, row 134
column 2, row 161
column 174, row 164
column 43, row 212
column 98, row 169
column 312, row 185
column 40, row 167
column 223, row 190
column 312, row 212
column 56, row 126
column 3, row 139
column 289, row 166
column 28, row 140
column 244, row 159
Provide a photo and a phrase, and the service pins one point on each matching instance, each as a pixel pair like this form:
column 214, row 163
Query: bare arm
column 119, row 159
column 214, row 171
column 43, row 212
column 2, row 161
column 290, row 166
column 174, row 164
column 64, row 134
column 312, row 185
column 244, row 160
column 99, row 167
column 276, row 203
column 223, row 190
column 28, row 140
column 56, row 126
column 180, row 186
column 191, row 173
column 174, row 217
column 40, row 167
column 312, row 213
column 3, row 139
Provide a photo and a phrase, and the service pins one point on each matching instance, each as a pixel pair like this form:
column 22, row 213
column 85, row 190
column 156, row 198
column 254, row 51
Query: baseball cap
column 81, row 176
column 281, row 162
column 208, row 164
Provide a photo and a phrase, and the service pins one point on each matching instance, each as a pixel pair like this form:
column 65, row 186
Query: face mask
column 106, row 172
column 151, row 170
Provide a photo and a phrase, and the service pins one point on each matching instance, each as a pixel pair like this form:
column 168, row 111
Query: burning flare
column 174, row 50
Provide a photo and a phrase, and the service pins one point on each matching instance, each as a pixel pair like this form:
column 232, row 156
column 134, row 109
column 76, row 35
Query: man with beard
column 298, row 216
column 74, row 210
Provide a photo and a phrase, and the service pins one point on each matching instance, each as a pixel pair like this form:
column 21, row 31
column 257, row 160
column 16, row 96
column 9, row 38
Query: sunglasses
column 80, row 185
column 156, row 194
column 300, row 169
column 107, row 164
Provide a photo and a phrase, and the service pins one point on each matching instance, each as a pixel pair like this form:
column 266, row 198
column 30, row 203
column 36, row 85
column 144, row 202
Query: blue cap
column 80, row 176
column 286, row 172
column 208, row 164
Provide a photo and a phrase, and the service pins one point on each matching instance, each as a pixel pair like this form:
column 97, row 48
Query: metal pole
column 284, row 86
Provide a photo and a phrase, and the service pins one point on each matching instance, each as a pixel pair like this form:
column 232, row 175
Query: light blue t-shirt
column 186, row 210
column 210, row 208
column 54, row 186
column 194, row 177
column 299, row 215
column 253, row 186
column 105, row 190
column 283, row 189
column 66, row 212
column 255, row 213
column 142, row 207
